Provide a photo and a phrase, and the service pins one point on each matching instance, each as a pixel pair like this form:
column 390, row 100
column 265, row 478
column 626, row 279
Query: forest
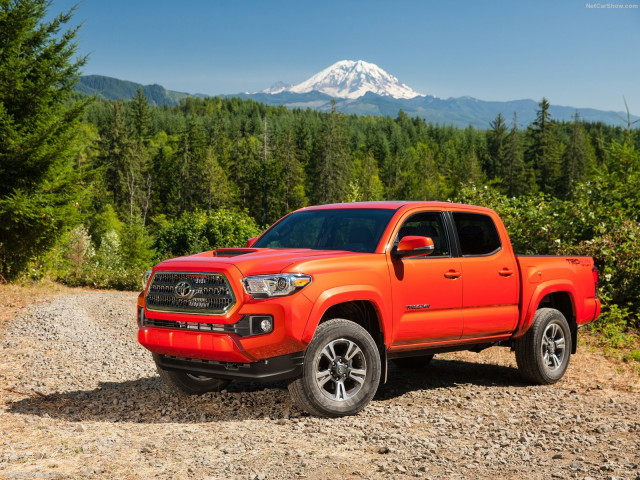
column 94, row 192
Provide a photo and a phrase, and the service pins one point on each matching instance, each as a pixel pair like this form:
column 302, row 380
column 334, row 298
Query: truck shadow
column 447, row 374
column 146, row 400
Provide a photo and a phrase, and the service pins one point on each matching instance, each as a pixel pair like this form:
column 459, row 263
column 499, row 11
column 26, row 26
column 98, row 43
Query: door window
column 427, row 224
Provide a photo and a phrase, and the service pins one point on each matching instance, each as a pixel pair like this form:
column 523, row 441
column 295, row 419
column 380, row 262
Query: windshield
column 352, row 229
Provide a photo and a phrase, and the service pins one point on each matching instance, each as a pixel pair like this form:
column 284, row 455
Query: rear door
column 427, row 291
column 489, row 277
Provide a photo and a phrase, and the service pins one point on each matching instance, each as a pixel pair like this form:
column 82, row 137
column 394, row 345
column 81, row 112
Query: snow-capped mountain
column 350, row 79
column 277, row 87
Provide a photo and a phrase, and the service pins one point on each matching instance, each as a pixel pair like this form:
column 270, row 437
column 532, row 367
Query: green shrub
column 199, row 232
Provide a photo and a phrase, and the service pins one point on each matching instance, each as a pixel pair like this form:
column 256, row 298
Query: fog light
column 266, row 325
column 261, row 324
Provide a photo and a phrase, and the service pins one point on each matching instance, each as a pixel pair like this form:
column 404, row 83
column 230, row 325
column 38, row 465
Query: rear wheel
column 341, row 370
column 191, row 383
column 542, row 354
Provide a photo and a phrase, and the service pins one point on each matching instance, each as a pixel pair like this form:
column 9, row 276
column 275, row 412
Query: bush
column 115, row 264
column 199, row 232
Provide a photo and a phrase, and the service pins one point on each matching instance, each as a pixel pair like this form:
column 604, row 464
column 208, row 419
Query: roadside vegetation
column 93, row 192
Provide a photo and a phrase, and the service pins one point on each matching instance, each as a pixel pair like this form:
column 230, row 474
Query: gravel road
column 79, row 398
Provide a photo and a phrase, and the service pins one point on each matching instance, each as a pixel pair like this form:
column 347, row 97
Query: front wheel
column 341, row 371
column 542, row 354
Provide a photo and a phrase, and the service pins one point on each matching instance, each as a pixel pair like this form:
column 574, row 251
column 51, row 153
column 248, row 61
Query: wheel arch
column 365, row 307
column 560, row 296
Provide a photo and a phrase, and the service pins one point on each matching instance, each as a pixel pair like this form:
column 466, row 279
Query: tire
column 341, row 371
column 186, row 383
column 413, row 363
column 543, row 353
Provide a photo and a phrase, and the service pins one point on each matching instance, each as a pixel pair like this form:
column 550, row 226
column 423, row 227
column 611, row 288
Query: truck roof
column 392, row 205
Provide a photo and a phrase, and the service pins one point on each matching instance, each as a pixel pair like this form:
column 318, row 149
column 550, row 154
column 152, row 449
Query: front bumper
column 273, row 369
column 223, row 342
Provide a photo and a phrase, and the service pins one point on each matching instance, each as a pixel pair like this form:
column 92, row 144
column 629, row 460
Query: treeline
column 149, row 162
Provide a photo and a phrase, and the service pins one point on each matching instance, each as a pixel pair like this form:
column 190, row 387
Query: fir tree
column 578, row 160
column 545, row 151
column 38, row 70
column 333, row 170
column 497, row 147
column 514, row 171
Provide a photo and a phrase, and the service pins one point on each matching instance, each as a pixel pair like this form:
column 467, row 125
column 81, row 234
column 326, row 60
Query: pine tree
column 514, row 171
column 140, row 120
column 545, row 151
column 333, row 169
column 497, row 137
column 117, row 158
column 578, row 159
column 37, row 130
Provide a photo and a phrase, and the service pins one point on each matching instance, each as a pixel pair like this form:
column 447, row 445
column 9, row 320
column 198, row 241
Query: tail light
column 596, row 281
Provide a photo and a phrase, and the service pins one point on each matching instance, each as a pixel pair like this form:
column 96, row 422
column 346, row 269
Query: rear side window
column 477, row 233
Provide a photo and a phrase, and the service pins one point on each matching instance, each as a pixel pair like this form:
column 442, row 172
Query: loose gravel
column 80, row 398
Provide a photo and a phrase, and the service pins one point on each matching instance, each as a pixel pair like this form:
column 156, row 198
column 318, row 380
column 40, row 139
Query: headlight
column 278, row 285
column 145, row 279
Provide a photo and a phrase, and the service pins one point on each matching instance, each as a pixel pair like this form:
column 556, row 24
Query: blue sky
column 501, row 50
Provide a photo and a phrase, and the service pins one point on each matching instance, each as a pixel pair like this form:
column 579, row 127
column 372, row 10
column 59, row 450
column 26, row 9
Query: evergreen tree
column 545, row 151
column 116, row 158
column 191, row 158
column 497, row 147
column 140, row 117
column 578, row 160
column 333, row 169
column 37, row 130
column 514, row 171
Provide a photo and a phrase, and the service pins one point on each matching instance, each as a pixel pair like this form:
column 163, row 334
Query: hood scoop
column 232, row 252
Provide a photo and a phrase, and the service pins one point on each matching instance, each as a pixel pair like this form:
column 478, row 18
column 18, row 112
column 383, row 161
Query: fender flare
column 344, row 294
column 541, row 291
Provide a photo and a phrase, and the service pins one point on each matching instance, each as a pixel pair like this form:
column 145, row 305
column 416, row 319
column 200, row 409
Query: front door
column 427, row 291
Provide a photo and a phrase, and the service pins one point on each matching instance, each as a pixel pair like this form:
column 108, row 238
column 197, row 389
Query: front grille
column 189, row 292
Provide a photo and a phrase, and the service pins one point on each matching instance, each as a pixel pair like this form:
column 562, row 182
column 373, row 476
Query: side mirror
column 251, row 241
column 413, row 246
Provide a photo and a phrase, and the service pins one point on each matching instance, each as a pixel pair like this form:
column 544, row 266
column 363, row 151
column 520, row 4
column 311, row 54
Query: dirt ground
column 79, row 398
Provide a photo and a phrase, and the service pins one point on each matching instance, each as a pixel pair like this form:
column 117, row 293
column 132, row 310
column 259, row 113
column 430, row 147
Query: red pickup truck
column 329, row 294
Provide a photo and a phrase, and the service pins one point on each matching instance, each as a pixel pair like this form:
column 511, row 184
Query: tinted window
column 353, row 229
column 477, row 233
column 427, row 224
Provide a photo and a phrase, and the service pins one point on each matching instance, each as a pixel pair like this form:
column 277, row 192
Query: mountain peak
column 352, row 79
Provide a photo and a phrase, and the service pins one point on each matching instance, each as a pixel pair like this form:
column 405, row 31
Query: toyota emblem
column 184, row 289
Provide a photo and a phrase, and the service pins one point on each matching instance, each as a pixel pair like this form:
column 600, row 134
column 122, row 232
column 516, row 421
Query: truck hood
column 250, row 261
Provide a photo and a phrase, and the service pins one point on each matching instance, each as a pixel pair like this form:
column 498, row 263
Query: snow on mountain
column 351, row 79
column 277, row 87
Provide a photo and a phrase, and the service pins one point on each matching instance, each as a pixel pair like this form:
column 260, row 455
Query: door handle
column 452, row 274
column 505, row 272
